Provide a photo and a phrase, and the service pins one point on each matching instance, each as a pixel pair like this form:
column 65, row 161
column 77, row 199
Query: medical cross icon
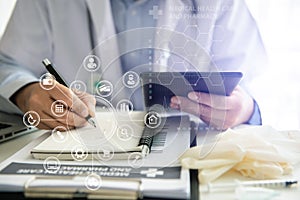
column 152, row 172
column 155, row 12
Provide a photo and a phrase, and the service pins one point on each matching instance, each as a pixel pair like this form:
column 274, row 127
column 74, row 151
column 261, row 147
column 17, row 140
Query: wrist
column 255, row 118
column 20, row 96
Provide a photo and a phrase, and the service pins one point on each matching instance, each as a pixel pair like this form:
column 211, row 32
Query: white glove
column 257, row 152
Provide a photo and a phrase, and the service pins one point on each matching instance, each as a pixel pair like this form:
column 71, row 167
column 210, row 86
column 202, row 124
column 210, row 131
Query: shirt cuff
column 10, row 87
column 255, row 118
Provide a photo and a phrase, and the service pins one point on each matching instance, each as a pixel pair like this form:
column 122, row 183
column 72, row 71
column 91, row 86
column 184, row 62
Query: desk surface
column 10, row 147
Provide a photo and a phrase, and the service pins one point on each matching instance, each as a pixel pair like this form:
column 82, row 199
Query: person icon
column 130, row 80
column 91, row 63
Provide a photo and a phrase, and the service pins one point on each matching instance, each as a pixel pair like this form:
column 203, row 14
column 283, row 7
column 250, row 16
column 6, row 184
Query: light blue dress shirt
column 132, row 14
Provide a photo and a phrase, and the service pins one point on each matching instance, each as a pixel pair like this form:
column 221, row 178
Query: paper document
column 159, row 175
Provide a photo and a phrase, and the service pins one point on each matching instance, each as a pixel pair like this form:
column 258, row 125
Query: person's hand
column 34, row 98
column 219, row 111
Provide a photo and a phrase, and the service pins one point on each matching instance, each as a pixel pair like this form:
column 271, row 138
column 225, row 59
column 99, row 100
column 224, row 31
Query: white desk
column 230, row 177
column 285, row 193
column 10, row 147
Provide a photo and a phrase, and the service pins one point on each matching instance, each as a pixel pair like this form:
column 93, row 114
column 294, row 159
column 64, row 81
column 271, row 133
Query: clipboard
column 31, row 190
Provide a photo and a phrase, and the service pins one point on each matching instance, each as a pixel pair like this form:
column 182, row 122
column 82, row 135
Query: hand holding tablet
column 212, row 96
column 159, row 87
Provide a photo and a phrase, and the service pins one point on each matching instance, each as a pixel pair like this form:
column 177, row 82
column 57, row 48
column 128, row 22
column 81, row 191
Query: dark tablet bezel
column 159, row 87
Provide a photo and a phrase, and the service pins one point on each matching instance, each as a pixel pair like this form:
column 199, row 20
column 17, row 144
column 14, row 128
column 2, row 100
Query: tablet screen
column 159, row 87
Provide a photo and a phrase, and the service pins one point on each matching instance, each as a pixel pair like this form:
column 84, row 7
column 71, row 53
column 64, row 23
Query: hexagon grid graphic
column 172, row 52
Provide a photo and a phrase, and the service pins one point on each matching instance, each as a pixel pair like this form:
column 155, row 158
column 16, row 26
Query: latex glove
column 252, row 151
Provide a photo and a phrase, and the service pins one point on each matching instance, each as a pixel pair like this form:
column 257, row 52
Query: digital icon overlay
column 78, row 87
column 31, row 119
column 93, row 182
column 51, row 165
column 60, row 134
column 131, row 79
column 79, row 153
column 47, row 81
column 59, row 108
column 124, row 105
column 152, row 119
column 135, row 160
column 125, row 132
column 91, row 63
column 104, row 88
column 106, row 153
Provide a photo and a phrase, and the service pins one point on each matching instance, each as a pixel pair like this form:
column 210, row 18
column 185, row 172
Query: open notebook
column 159, row 175
column 117, row 136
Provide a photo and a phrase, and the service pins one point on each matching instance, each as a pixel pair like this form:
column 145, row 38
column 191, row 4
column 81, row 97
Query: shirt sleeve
column 238, row 47
column 25, row 43
column 255, row 118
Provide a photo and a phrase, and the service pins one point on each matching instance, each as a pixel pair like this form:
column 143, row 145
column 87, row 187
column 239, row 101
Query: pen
column 59, row 79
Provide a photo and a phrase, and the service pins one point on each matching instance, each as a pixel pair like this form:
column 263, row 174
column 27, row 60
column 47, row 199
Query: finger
column 70, row 120
column 53, row 122
column 73, row 102
column 189, row 106
column 211, row 100
column 197, row 109
column 75, row 120
column 219, row 124
column 174, row 106
column 90, row 102
column 60, row 92
column 79, row 107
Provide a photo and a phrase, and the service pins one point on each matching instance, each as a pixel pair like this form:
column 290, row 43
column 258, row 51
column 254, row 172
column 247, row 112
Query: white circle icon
column 31, row 119
column 131, row 79
column 135, row 160
column 47, row 81
column 93, row 182
column 106, row 153
column 91, row 63
column 125, row 106
column 79, row 153
column 78, row 87
column 59, row 108
column 152, row 119
column 125, row 132
column 51, row 165
column 59, row 134
column 104, row 88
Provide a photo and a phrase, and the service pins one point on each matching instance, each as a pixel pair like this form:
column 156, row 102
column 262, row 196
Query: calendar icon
column 59, row 108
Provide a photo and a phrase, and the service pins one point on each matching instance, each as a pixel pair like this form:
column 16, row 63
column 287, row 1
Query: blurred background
column 278, row 89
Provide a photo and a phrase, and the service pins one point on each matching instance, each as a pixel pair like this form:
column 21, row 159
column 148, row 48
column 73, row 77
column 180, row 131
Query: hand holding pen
column 59, row 78
column 79, row 110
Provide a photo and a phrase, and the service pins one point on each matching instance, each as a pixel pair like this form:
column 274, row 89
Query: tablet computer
column 159, row 87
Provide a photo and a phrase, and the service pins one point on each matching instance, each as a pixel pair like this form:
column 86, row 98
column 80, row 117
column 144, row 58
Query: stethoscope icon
column 31, row 120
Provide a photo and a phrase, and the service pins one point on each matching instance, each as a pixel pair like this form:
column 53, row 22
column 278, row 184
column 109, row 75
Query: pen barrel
column 51, row 69
column 147, row 138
